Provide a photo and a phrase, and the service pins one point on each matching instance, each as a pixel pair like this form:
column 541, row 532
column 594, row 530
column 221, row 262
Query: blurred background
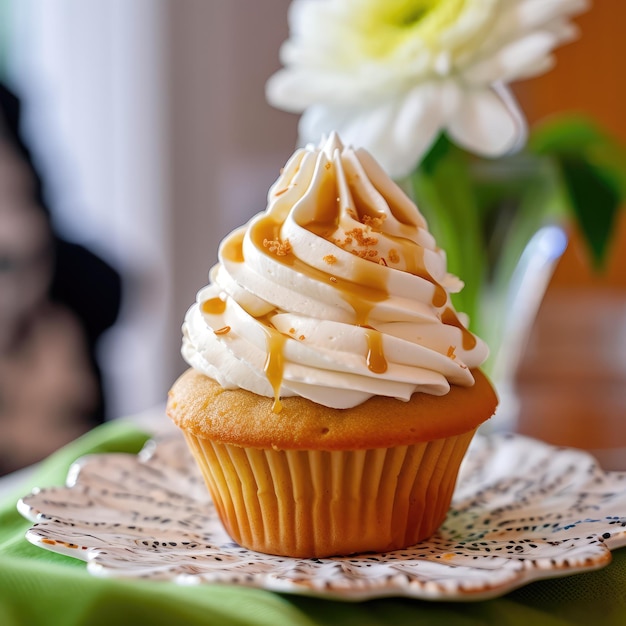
column 146, row 138
column 147, row 123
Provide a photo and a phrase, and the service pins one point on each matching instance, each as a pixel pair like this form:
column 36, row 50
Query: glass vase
column 496, row 220
column 508, row 316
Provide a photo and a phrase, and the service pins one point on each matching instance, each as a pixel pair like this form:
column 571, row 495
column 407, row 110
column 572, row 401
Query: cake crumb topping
column 374, row 223
column 360, row 243
column 331, row 259
column 366, row 254
column 277, row 247
column 361, row 238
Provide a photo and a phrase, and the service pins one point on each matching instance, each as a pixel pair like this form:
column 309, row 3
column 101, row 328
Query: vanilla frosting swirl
column 336, row 292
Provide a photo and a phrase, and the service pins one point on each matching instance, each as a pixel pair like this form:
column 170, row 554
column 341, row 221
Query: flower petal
column 295, row 90
column 532, row 14
column 487, row 121
column 418, row 122
column 520, row 59
column 519, row 17
column 320, row 35
column 367, row 128
column 396, row 133
column 395, row 104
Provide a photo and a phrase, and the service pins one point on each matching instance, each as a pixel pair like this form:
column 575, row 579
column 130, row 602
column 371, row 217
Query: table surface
column 572, row 380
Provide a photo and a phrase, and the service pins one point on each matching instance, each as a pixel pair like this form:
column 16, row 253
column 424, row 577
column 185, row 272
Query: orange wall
column 589, row 77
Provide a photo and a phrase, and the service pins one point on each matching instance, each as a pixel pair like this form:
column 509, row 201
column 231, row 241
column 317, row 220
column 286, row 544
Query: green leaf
column 566, row 134
column 593, row 171
column 443, row 192
column 595, row 202
column 517, row 195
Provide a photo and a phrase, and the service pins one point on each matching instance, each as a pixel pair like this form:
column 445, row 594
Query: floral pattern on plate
column 522, row 511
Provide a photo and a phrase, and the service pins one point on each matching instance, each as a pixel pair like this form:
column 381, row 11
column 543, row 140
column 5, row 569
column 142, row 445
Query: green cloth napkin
column 41, row 587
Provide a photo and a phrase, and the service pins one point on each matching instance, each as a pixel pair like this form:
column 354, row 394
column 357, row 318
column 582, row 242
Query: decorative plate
column 522, row 511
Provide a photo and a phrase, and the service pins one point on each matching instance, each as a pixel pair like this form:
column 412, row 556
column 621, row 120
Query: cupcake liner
column 315, row 503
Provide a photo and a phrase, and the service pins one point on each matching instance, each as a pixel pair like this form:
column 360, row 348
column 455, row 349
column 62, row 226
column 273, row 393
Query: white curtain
column 90, row 74
column 149, row 120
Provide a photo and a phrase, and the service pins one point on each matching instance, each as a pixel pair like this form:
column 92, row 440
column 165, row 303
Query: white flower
column 390, row 75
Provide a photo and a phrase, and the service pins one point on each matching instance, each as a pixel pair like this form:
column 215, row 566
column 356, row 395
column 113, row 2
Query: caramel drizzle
column 214, row 306
column 450, row 318
column 326, row 221
column 361, row 294
column 440, row 296
column 414, row 255
column 376, row 361
column 274, row 366
column 232, row 250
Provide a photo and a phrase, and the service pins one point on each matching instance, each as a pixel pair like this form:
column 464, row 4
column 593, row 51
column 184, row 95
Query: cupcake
column 333, row 389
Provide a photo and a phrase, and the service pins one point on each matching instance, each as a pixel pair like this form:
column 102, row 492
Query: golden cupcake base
column 316, row 503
